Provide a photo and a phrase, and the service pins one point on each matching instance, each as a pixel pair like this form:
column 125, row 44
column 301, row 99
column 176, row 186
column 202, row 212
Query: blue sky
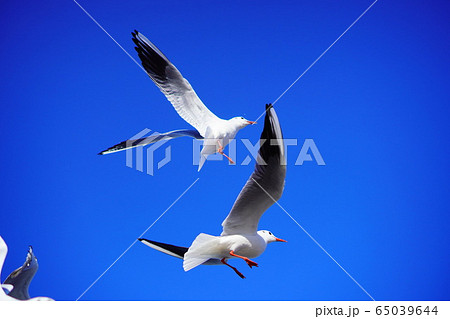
column 376, row 106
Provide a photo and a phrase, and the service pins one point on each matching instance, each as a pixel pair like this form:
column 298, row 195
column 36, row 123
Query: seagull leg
column 249, row 262
column 235, row 270
column 220, row 151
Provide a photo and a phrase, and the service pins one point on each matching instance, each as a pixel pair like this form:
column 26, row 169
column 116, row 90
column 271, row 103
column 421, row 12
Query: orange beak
column 279, row 239
column 251, row 122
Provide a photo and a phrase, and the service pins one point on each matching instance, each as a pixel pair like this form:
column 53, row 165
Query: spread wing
column 156, row 137
column 170, row 81
column 21, row 278
column 266, row 183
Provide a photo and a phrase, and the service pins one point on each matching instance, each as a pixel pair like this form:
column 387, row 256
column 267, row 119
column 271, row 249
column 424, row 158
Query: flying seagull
column 216, row 131
column 19, row 279
column 240, row 237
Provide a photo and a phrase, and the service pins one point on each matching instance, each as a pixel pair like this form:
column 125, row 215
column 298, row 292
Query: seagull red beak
column 251, row 122
column 279, row 239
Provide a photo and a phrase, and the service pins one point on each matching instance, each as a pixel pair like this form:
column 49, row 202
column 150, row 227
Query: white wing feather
column 265, row 185
column 172, row 84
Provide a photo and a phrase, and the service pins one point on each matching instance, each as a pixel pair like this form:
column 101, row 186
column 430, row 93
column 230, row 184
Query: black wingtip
column 177, row 250
column 269, row 151
column 105, row 151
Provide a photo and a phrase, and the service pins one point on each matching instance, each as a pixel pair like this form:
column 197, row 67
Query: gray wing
column 265, row 185
column 172, row 84
column 150, row 140
column 21, row 278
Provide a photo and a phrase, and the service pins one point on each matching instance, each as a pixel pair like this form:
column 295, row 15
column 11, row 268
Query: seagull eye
column 270, row 233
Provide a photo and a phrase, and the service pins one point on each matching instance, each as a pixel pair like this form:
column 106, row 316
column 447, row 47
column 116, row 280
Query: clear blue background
column 376, row 105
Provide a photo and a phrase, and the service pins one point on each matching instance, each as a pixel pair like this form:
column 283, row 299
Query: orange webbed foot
column 250, row 263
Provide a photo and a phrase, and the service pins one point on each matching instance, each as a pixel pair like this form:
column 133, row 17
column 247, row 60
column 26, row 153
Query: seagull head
column 241, row 122
column 269, row 237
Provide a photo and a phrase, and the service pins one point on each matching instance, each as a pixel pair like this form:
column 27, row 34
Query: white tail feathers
column 193, row 262
column 200, row 251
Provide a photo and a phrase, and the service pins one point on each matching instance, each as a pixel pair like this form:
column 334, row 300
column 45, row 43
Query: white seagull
column 240, row 237
column 216, row 131
column 9, row 287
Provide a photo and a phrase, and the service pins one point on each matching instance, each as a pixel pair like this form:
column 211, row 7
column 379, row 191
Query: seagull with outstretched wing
column 240, row 237
column 216, row 132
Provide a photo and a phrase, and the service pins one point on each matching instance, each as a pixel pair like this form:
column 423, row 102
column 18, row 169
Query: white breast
column 250, row 246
